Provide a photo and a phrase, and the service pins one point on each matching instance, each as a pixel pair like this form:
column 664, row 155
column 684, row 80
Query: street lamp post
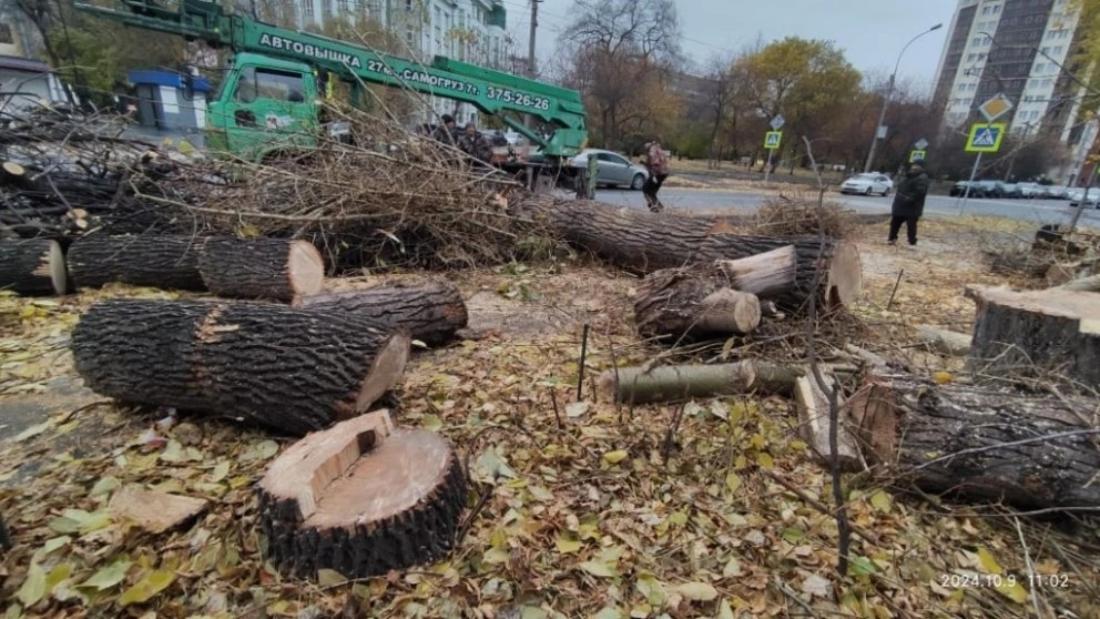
column 886, row 100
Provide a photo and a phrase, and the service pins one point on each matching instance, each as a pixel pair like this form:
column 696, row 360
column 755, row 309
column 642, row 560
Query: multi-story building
column 1015, row 47
column 472, row 31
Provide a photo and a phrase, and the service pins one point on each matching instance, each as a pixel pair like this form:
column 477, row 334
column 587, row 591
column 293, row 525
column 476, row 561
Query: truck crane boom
column 279, row 55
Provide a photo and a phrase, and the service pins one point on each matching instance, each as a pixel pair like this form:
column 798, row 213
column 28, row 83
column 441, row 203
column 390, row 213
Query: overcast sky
column 871, row 32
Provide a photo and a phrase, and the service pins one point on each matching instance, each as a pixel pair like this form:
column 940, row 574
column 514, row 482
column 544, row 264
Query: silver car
column 612, row 169
column 868, row 184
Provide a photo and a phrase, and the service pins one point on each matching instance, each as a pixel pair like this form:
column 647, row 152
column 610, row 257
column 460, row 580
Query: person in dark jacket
column 909, row 203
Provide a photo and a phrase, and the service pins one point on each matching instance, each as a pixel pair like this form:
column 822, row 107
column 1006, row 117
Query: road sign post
column 985, row 138
column 772, row 140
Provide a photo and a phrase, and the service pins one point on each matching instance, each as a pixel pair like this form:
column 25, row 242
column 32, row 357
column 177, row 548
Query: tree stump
column 361, row 498
column 1050, row 334
column 1027, row 450
column 33, row 267
column 170, row 262
column 431, row 311
column 276, row 269
column 694, row 302
column 292, row 370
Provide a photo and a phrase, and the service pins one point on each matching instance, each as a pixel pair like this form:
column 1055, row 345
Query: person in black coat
column 909, row 202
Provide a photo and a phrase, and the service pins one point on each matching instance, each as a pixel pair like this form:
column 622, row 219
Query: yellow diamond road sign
column 995, row 107
column 985, row 137
column 772, row 139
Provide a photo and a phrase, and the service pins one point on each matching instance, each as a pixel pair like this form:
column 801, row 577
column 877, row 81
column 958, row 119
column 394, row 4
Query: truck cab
column 265, row 106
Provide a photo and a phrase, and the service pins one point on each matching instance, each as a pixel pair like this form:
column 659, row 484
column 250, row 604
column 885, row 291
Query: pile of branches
column 63, row 173
column 380, row 196
column 800, row 214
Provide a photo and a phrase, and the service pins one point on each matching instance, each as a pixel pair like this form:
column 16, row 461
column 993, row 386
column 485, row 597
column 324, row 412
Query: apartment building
column 1015, row 47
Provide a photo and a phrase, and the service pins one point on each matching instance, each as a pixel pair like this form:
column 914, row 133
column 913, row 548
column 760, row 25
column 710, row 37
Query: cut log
column 13, row 172
column 361, row 498
column 1038, row 333
column 431, row 311
column 170, row 262
column 1026, row 450
column 694, row 302
column 813, row 424
column 645, row 242
column 767, row 275
column 154, row 511
column 641, row 385
column 32, row 267
column 944, row 341
column 276, row 269
column 292, row 370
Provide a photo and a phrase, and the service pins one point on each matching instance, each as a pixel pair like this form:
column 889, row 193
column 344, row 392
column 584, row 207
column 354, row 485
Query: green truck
column 269, row 100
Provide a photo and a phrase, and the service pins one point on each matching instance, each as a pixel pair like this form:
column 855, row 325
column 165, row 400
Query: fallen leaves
column 583, row 519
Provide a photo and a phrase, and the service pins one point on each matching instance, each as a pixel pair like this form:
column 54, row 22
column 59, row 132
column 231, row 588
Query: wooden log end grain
column 33, row 267
column 361, row 498
column 275, row 269
column 844, row 280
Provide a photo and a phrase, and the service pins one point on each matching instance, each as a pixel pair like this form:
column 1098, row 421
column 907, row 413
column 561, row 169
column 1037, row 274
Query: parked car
column 1031, row 190
column 1055, row 192
column 959, row 188
column 1076, row 195
column 868, row 184
column 987, row 189
column 1011, row 190
column 612, row 169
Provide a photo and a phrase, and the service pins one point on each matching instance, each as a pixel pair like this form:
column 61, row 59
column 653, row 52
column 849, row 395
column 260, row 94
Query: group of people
column 469, row 140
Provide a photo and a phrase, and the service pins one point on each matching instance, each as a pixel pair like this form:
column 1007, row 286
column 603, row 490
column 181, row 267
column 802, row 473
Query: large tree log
column 645, row 242
column 277, row 269
column 293, row 370
column 32, row 267
column 693, row 301
column 361, row 498
column 431, row 311
column 170, row 262
column 642, row 385
column 1026, row 450
column 1041, row 332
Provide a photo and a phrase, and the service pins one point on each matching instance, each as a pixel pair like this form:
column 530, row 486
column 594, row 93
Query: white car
column 612, row 169
column 868, row 184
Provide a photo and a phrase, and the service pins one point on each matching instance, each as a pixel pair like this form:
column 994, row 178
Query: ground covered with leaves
column 580, row 508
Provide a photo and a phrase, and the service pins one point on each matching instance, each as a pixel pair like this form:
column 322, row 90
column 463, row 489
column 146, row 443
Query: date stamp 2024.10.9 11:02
column 973, row 580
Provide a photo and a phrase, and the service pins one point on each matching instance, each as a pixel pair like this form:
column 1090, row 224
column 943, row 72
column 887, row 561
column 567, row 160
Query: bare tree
column 621, row 52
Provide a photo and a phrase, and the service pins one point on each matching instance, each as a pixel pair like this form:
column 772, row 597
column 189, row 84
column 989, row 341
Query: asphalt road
column 1040, row 211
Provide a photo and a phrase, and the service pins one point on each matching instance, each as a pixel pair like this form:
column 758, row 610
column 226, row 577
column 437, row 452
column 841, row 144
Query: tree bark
column 645, row 242
column 276, row 269
column 32, row 267
column 695, row 302
column 169, row 262
column 1026, row 450
column 642, row 385
column 346, row 499
column 431, row 311
column 1053, row 333
column 288, row 369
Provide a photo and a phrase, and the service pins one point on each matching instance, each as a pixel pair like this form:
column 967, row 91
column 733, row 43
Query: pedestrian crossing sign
column 985, row 137
column 917, row 155
column 772, row 140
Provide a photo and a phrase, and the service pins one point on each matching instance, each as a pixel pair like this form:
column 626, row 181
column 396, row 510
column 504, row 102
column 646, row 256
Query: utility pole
column 531, row 69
